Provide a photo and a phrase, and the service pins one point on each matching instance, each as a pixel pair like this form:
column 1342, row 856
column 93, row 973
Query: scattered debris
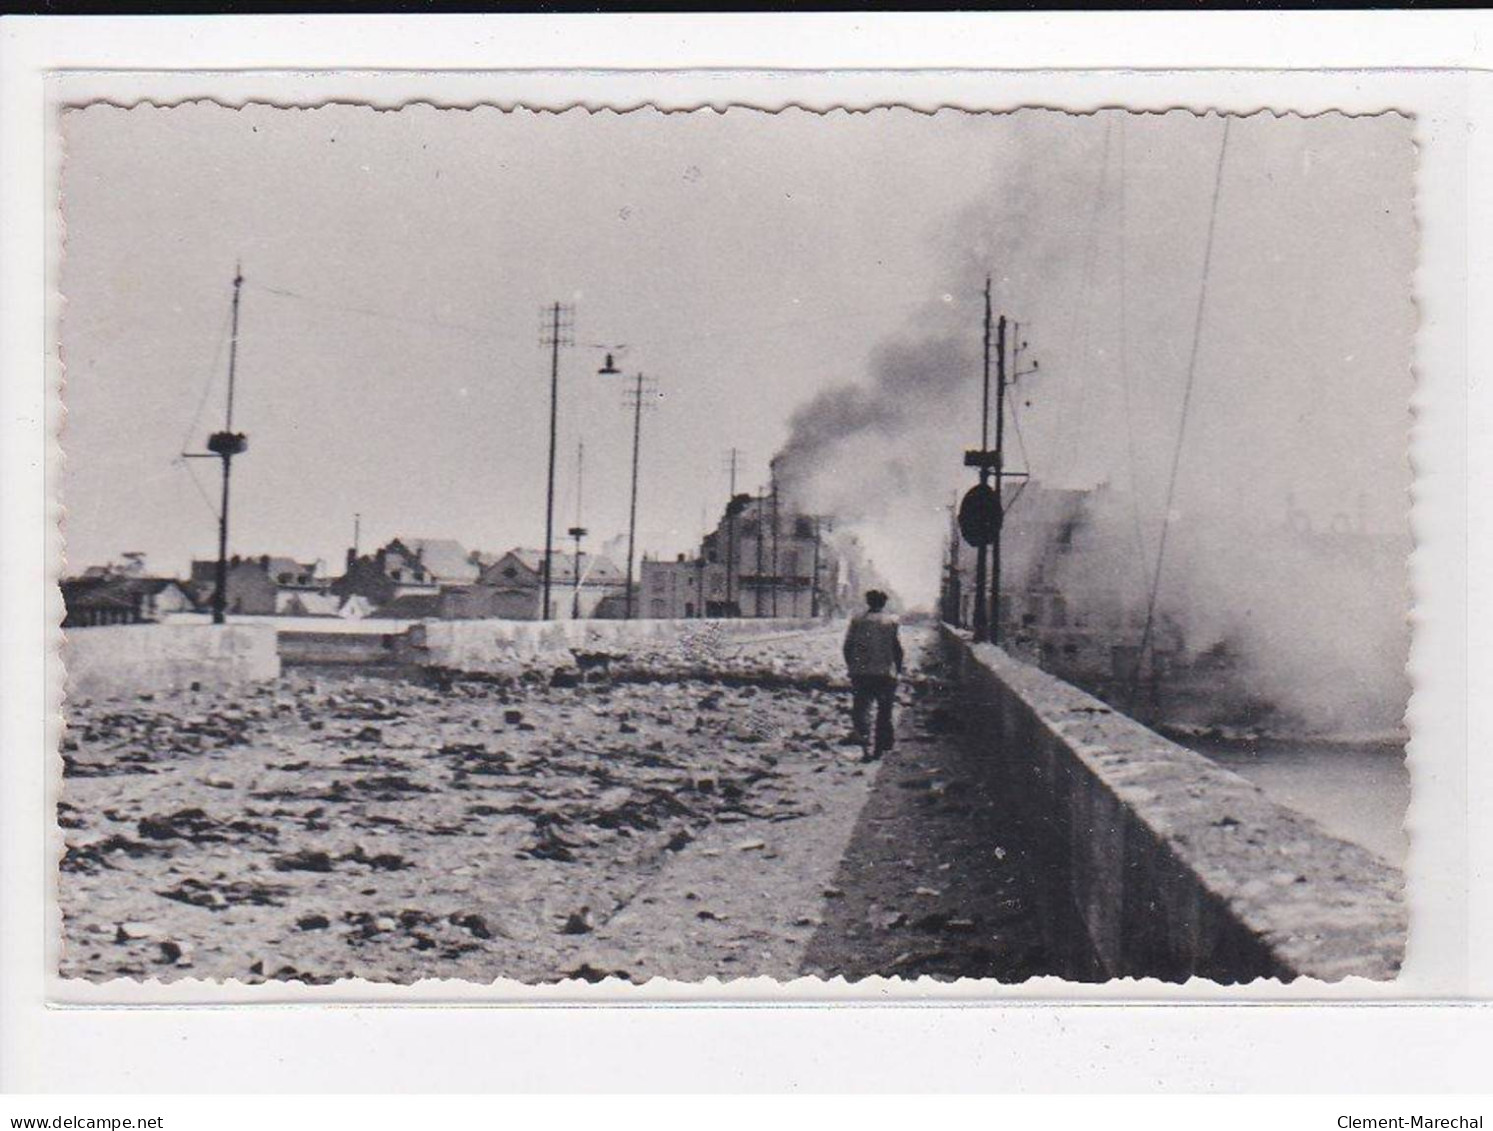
column 307, row 860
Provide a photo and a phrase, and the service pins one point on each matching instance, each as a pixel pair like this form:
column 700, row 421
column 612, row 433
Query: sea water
column 1356, row 791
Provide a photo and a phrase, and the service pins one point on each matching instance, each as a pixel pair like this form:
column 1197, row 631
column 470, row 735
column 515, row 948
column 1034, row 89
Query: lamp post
column 577, row 532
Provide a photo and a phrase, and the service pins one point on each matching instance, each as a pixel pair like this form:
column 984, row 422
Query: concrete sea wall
column 1160, row 863
column 121, row 661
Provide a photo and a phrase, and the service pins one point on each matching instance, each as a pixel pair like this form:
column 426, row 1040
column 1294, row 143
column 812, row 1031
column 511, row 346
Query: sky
column 781, row 279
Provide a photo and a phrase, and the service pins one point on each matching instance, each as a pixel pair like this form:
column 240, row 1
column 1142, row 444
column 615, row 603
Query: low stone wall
column 120, row 661
column 1160, row 863
column 509, row 648
column 338, row 649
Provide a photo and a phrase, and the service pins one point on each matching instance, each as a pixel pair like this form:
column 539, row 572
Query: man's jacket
column 872, row 646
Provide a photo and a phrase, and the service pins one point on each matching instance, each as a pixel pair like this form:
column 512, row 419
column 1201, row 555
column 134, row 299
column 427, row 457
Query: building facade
column 1068, row 601
column 765, row 560
column 677, row 589
column 512, row 587
column 409, row 567
column 268, row 585
column 104, row 599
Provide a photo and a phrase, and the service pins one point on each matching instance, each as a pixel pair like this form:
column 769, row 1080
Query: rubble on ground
column 325, row 827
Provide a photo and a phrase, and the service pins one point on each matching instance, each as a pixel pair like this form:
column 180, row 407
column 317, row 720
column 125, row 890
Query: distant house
column 265, row 586
column 512, row 587
column 671, row 590
column 102, row 599
column 408, row 567
column 444, row 559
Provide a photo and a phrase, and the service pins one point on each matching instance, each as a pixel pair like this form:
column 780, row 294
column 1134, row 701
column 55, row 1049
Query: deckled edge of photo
column 764, row 991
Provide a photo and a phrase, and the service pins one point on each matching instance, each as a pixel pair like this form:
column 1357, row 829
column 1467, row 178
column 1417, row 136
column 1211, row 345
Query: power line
column 208, row 385
column 207, row 388
column 197, row 483
column 1021, row 446
column 1082, row 311
column 743, row 330
column 1124, row 226
column 1171, row 486
column 372, row 312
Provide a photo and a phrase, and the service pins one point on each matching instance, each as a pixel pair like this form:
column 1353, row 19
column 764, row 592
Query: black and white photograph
column 606, row 545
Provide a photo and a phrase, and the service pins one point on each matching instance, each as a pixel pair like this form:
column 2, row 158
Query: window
column 658, row 582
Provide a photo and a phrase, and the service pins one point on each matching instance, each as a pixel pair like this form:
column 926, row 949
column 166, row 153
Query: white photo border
column 1447, row 882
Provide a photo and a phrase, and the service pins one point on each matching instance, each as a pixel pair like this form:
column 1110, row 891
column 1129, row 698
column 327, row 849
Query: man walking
column 873, row 653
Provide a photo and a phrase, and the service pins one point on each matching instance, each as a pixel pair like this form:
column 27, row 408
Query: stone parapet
column 637, row 648
column 121, row 661
column 1161, row 863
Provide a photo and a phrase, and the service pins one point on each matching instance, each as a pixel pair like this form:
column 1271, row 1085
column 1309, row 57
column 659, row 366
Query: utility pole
column 700, row 587
column 357, row 532
column 578, row 531
column 982, row 553
column 731, row 535
column 1000, row 466
column 632, row 510
column 982, row 513
column 773, row 476
column 761, row 546
column 635, row 397
column 814, row 583
column 224, row 446
column 555, row 332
